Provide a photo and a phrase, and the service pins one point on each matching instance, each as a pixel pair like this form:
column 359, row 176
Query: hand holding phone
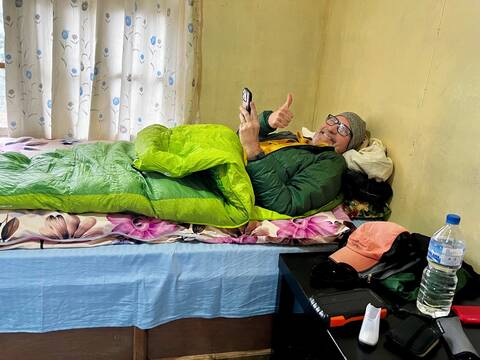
column 247, row 98
column 249, row 126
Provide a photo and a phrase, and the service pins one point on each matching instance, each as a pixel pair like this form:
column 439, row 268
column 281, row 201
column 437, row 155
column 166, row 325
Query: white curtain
column 100, row 69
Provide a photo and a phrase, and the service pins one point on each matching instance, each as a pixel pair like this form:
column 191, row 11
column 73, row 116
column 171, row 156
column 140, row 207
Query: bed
column 142, row 286
column 95, row 286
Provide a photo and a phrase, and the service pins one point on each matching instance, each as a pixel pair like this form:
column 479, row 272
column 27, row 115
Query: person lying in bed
column 292, row 174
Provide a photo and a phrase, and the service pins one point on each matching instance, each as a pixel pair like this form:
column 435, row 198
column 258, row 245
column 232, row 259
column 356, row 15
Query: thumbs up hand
column 282, row 116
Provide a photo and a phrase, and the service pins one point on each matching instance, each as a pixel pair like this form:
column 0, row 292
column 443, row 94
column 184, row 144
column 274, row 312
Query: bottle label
column 444, row 255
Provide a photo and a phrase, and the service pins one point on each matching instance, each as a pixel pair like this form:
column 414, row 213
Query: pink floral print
column 141, row 227
column 309, row 228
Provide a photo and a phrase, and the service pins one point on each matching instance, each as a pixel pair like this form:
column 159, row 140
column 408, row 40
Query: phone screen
column 246, row 99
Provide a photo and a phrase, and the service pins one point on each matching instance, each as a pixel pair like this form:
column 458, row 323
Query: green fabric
column 91, row 177
column 213, row 156
column 265, row 127
column 295, row 180
column 260, row 213
column 404, row 284
column 214, row 188
column 463, row 278
column 192, row 173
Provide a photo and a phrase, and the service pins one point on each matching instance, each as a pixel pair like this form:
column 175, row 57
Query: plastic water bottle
column 439, row 279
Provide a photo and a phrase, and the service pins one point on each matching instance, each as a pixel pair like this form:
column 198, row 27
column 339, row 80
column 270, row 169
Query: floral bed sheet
column 46, row 229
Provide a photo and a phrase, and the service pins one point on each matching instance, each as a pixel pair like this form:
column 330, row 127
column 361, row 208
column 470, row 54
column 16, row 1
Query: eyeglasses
column 342, row 129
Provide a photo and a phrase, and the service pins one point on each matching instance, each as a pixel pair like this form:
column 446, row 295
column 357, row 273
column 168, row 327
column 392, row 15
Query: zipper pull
column 369, row 278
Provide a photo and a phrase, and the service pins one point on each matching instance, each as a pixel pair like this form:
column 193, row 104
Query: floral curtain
column 100, row 69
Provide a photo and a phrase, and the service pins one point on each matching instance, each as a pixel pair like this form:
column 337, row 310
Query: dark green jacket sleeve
column 310, row 185
column 265, row 129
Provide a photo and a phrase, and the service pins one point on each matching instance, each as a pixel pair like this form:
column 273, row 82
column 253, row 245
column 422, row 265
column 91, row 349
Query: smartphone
column 247, row 98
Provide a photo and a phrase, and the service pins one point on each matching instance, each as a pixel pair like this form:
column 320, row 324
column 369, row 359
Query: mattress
column 137, row 285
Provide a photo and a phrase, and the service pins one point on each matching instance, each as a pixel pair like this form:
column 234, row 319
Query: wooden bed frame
column 186, row 339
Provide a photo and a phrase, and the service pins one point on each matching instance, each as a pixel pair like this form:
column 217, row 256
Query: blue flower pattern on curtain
column 100, row 69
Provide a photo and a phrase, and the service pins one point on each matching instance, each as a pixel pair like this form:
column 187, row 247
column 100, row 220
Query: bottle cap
column 453, row 219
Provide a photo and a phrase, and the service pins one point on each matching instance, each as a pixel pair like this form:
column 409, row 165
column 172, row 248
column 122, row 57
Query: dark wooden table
column 301, row 335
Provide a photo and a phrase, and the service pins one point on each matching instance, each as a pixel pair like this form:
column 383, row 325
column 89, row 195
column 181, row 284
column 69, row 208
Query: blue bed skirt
column 136, row 285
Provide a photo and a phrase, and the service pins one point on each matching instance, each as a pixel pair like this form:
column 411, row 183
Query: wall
column 270, row 46
column 411, row 69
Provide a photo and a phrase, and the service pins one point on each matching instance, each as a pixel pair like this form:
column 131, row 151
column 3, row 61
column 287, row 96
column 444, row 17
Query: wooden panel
column 237, row 355
column 91, row 344
column 139, row 344
column 209, row 336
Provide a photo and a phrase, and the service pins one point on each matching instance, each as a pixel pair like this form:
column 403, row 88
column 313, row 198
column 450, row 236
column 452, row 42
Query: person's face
column 329, row 133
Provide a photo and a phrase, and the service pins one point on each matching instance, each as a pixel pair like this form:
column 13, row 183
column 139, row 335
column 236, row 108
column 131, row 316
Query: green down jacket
column 295, row 180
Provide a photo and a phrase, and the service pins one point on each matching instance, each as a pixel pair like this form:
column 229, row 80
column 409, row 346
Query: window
column 3, row 107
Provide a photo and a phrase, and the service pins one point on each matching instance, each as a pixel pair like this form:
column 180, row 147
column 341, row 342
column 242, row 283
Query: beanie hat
column 358, row 127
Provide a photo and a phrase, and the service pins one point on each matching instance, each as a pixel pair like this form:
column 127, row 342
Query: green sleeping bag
column 200, row 177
